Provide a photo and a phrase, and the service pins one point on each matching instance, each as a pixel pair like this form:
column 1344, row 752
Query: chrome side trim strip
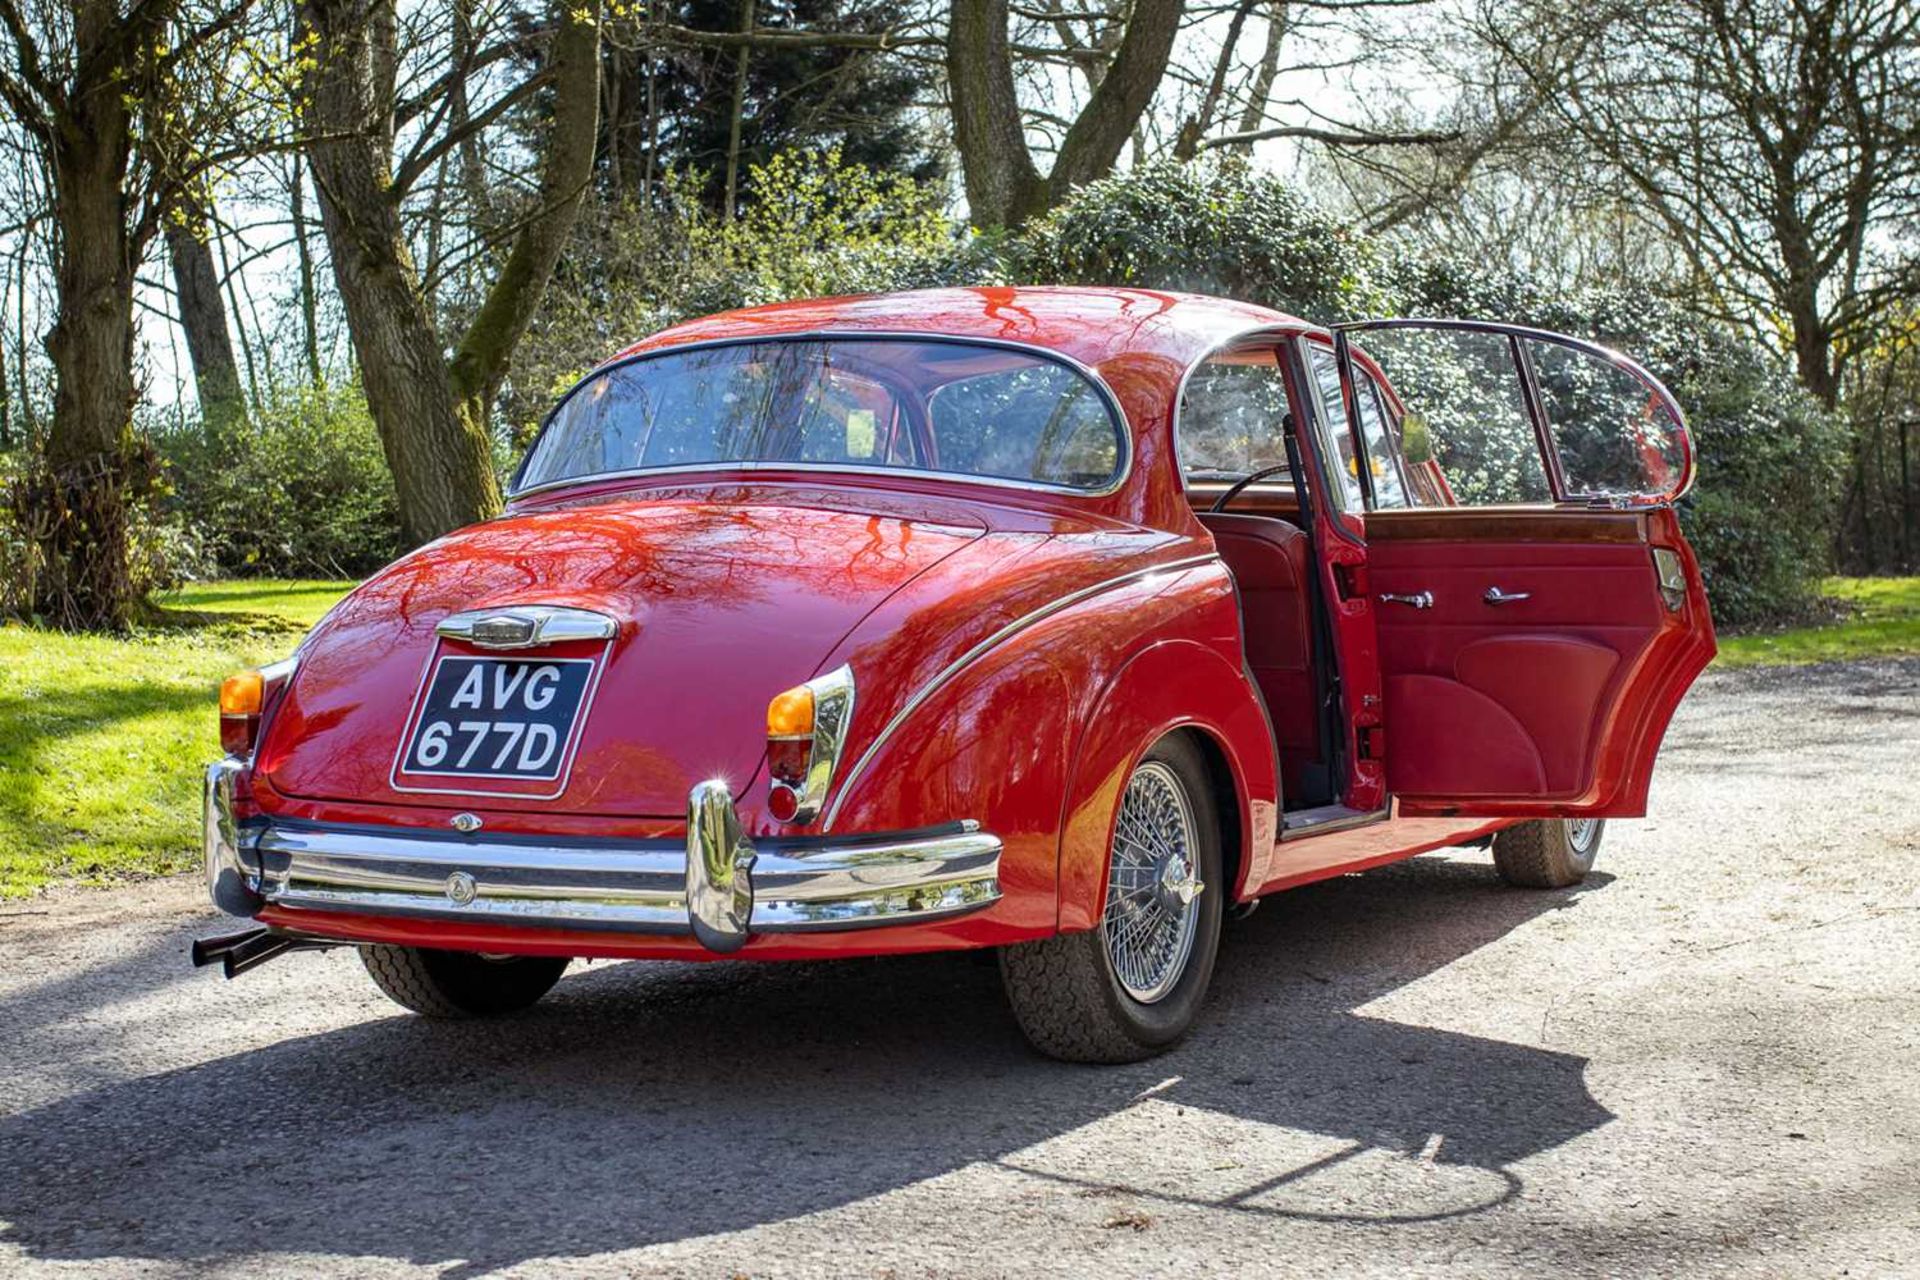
column 952, row 669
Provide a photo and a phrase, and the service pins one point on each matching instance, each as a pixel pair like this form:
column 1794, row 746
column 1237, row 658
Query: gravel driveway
column 1706, row 1060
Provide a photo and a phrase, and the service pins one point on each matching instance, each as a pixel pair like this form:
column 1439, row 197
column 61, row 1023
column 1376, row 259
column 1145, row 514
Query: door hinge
column 1351, row 580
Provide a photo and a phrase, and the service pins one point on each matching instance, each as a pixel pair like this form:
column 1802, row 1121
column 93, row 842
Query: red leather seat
column 1268, row 558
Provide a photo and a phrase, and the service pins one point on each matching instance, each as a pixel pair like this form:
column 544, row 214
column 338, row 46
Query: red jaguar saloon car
column 1056, row 621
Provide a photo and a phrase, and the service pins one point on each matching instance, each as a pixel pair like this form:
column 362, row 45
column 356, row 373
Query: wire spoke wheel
column 1153, row 884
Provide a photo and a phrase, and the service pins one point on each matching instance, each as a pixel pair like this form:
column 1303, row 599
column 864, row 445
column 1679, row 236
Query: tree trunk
column 1813, row 351
column 434, row 415
column 79, row 501
column 442, row 463
column 30, row 426
column 1254, row 113
column 1099, row 133
column 1003, row 187
column 480, row 364
column 203, row 317
column 730, row 202
column 995, row 165
column 309, row 294
column 1187, row 142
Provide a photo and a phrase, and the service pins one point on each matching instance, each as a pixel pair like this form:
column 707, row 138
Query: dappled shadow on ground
column 646, row 1103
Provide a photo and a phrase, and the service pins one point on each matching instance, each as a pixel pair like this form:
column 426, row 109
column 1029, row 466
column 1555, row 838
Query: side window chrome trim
column 1279, row 336
column 1550, row 459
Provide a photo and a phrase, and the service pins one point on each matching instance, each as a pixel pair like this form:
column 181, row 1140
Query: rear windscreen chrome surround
column 1122, row 473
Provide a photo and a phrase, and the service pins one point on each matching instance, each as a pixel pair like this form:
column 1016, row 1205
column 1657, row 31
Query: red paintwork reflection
column 720, row 605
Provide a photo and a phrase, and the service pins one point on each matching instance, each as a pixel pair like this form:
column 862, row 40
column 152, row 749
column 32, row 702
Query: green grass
column 1882, row 620
column 102, row 739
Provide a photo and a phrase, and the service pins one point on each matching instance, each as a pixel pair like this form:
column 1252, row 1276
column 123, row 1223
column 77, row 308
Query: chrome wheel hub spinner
column 1152, row 885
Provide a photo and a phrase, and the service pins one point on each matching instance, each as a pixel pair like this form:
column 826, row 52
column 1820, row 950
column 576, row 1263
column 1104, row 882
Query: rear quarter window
column 1037, row 422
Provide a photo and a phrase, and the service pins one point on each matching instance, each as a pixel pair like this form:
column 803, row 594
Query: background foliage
column 302, row 489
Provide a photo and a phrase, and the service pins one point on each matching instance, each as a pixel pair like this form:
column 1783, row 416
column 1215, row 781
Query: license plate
column 498, row 718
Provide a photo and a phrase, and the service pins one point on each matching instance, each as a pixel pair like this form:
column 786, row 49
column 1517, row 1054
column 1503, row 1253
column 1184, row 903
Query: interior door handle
column 1421, row 600
column 1496, row 596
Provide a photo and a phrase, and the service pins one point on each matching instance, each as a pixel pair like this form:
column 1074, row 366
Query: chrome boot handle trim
column 1496, row 596
column 1420, row 600
column 526, row 626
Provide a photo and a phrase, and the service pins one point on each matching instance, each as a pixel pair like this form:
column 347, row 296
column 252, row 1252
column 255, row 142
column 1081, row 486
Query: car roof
column 1096, row 326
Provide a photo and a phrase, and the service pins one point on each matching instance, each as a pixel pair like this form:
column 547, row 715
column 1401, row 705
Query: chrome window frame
column 1545, row 440
column 1122, row 425
column 1326, row 445
column 1267, row 333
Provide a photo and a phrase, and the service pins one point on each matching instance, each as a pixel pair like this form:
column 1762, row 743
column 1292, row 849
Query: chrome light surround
column 832, row 716
column 526, row 626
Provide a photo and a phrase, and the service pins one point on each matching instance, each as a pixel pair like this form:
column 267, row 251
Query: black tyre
column 1132, row 987
column 459, row 984
column 1551, row 853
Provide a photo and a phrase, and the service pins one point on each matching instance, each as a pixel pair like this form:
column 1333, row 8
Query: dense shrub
column 162, row 552
column 19, row 559
column 303, row 490
column 1767, row 455
column 1206, row 227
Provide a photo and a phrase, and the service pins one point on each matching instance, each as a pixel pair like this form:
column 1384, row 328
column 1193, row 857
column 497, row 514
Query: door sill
column 1326, row 818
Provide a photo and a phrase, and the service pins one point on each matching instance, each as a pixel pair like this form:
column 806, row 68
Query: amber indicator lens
column 240, row 694
column 791, row 714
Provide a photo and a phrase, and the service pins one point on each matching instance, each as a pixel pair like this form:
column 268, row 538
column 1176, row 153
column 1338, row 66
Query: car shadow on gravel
column 645, row 1103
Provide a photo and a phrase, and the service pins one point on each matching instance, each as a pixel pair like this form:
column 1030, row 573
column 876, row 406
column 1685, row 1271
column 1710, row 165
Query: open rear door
column 1539, row 614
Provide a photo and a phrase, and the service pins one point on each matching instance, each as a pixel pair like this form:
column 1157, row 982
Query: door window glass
column 1326, row 375
column 1614, row 435
column 1383, row 453
column 1467, row 430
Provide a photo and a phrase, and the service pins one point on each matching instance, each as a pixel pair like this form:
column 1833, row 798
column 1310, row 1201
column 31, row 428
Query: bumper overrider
column 719, row 886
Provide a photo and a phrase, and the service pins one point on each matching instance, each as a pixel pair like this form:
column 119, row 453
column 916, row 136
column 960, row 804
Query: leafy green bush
column 19, row 559
column 162, row 551
column 1767, row 455
column 303, row 491
column 1207, row 227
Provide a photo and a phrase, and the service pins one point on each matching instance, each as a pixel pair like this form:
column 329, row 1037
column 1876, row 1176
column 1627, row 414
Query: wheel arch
column 1172, row 686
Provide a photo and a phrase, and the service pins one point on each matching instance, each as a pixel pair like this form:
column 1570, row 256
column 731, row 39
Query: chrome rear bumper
column 719, row 886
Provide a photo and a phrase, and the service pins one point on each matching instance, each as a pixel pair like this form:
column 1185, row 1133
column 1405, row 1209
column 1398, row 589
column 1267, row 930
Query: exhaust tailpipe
column 250, row 948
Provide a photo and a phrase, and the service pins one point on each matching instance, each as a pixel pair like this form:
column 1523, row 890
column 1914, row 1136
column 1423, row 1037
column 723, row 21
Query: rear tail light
column 245, row 698
column 806, row 728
